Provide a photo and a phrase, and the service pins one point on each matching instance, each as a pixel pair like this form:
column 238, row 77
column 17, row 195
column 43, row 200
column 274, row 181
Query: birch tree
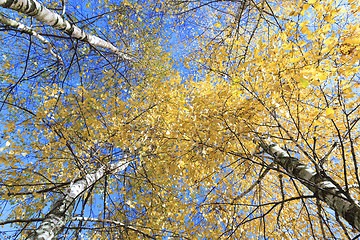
column 254, row 135
column 61, row 212
column 45, row 97
column 46, row 16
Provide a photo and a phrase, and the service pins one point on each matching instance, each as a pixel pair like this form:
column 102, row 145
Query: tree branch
column 42, row 14
column 112, row 222
column 61, row 211
column 12, row 23
column 321, row 185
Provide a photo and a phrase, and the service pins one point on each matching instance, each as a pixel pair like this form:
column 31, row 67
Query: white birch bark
column 318, row 183
column 61, row 212
column 12, row 23
column 42, row 14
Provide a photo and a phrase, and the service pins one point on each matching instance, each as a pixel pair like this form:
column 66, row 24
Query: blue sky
column 72, row 78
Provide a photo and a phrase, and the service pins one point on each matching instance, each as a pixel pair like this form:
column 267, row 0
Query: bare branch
column 112, row 222
column 12, row 23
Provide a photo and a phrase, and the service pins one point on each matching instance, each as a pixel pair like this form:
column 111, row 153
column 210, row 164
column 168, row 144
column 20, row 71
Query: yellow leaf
column 330, row 41
column 12, row 81
column 10, row 127
column 218, row 25
column 328, row 18
column 126, row 3
column 130, row 204
column 326, row 28
column 347, row 89
column 329, row 112
column 7, row 65
column 304, row 83
column 317, row 123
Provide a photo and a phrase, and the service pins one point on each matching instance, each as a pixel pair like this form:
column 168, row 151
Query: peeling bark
column 320, row 184
column 61, row 212
column 46, row 16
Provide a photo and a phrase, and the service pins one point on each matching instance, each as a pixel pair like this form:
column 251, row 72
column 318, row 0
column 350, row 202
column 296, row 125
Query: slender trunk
column 320, row 184
column 61, row 212
column 42, row 14
column 12, row 23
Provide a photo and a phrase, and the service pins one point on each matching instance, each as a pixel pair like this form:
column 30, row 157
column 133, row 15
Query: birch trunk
column 61, row 212
column 318, row 183
column 42, row 14
column 12, row 23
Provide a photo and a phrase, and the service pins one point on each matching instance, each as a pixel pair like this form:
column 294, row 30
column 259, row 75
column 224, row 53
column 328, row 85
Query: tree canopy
column 179, row 119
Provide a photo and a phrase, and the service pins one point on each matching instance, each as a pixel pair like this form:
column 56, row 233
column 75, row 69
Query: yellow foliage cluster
column 290, row 76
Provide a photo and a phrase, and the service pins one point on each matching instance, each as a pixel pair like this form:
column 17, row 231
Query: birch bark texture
column 12, row 23
column 61, row 211
column 44, row 15
column 321, row 185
